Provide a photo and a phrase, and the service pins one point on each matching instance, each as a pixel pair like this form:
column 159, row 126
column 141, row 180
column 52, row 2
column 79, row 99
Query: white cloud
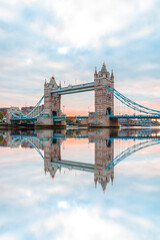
column 55, row 65
column 9, row 236
column 29, row 61
column 144, row 5
column 141, row 221
column 86, row 23
column 71, row 24
column 141, row 168
column 81, row 223
column 63, row 50
column 139, row 32
column 115, row 41
column 148, row 66
column 144, row 85
column 7, row 14
column 63, row 204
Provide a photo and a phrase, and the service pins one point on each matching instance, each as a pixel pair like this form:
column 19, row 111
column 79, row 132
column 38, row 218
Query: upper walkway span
column 74, row 89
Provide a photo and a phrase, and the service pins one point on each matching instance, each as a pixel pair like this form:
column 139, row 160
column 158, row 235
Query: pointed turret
column 103, row 184
column 95, row 181
column 112, row 75
column 52, row 81
column 95, row 73
column 103, row 69
column 112, row 178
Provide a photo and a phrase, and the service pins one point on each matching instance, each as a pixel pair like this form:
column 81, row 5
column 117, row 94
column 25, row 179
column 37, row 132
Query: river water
column 98, row 184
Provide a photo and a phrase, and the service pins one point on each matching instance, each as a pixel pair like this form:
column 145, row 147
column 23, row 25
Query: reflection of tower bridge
column 103, row 86
column 103, row 167
column 32, row 140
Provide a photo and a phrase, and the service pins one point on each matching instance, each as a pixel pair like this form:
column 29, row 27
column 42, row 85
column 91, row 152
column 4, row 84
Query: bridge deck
column 61, row 118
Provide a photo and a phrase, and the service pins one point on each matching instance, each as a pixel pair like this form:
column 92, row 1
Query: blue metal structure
column 151, row 113
column 58, row 135
column 61, row 118
column 30, row 115
column 129, row 151
column 145, row 113
column 86, row 166
column 31, row 140
column 136, row 116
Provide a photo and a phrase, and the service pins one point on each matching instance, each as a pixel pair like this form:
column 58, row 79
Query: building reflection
column 50, row 143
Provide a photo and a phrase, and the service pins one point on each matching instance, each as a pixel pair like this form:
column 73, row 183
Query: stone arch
column 54, row 113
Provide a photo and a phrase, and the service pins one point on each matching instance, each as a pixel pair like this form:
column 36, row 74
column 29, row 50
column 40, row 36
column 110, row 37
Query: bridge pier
column 95, row 121
column 14, row 110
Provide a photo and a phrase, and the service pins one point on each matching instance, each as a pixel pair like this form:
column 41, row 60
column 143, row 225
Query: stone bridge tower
column 52, row 103
column 104, row 100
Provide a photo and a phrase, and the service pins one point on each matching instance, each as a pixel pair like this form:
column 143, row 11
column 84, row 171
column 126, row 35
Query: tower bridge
column 50, row 113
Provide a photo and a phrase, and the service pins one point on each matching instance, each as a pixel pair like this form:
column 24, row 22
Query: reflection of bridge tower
column 104, row 154
column 104, row 100
column 51, row 154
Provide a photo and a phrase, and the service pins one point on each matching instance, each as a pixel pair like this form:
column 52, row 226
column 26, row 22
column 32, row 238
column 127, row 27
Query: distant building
column 136, row 122
column 25, row 110
column 4, row 110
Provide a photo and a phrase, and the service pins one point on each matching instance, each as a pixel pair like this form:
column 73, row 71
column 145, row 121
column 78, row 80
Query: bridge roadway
column 144, row 135
column 136, row 116
column 74, row 89
column 61, row 118
column 140, row 137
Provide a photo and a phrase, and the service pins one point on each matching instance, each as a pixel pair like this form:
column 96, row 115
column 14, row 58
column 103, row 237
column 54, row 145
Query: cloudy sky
column 69, row 38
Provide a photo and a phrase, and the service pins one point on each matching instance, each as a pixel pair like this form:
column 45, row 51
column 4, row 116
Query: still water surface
column 76, row 185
